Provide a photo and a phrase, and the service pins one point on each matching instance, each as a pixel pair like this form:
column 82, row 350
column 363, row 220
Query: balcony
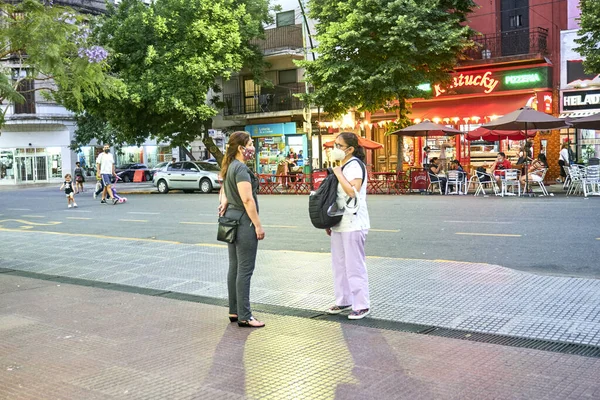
column 517, row 44
column 265, row 100
column 282, row 40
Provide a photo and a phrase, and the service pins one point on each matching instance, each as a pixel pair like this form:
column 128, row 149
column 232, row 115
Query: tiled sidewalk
column 477, row 297
column 62, row 341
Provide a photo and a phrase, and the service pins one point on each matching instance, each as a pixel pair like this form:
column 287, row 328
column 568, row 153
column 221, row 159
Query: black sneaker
column 115, row 201
column 102, row 201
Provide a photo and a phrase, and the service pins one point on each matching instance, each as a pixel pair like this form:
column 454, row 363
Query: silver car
column 187, row 176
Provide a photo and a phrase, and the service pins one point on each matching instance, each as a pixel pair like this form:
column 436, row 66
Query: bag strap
column 362, row 167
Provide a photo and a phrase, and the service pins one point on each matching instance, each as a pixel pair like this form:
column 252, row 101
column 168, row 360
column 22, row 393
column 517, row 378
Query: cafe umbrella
column 426, row 128
column 493, row 136
column 525, row 119
column 591, row 122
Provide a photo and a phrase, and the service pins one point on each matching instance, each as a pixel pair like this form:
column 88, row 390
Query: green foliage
column 169, row 55
column 372, row 52
column 47, row 43
column 90, row 127
column 589, row 35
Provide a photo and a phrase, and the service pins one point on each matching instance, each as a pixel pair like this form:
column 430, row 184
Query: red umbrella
column 492, row 136
column 366, row 143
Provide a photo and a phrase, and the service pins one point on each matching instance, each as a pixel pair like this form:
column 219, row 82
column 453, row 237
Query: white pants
column 350, row 279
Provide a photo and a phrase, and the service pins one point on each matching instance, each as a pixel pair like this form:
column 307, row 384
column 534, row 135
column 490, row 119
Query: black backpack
column 320, row 201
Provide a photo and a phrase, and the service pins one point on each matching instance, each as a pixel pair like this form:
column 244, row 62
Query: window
column 26, row 88
column 516, row 21
column 174, row 167
column 286, row 18
column 288, row 76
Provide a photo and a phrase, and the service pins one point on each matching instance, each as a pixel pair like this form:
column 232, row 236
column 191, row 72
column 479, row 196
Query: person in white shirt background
column 105, row 167
column 563, row 159
column 351, row 281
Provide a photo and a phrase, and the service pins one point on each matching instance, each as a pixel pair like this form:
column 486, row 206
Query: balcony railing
column 278, row 98
column 511, row 43
column 284, row 38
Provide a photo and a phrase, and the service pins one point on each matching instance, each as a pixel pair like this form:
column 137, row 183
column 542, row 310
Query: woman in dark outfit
column 238, row 200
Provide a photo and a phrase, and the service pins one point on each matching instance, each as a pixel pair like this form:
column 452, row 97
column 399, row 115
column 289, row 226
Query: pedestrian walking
column 79, row 178
column 69, row 191
column 238, row 201
column 348, row 259
column 563, row 160
column 105, row 165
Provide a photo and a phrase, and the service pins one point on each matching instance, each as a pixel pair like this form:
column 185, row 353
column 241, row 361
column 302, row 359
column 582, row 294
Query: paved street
column 62, row 341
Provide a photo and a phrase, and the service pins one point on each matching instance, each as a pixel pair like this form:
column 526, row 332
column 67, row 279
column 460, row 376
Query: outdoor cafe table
column 280, row 184
column 391, row 181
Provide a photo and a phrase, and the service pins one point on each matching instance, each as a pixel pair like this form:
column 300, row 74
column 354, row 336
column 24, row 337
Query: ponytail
column 237, row 139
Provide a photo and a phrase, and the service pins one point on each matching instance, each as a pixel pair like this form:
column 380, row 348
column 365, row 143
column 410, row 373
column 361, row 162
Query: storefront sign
column 490, row 81
column 581, row 100
column 271, row 129
column 483, row 80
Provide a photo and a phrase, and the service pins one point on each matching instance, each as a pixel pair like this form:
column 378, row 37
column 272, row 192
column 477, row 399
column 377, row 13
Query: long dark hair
column 351, row 139
column 542, row 158
column 237, row 139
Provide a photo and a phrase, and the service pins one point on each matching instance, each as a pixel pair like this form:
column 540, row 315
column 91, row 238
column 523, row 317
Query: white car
column 188, row 176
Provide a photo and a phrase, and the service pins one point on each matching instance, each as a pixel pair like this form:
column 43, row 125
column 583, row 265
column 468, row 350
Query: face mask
column 248, row 153
column 106, row 150
column 338, row 154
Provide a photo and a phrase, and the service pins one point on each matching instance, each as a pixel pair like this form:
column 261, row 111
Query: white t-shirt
column 564, row 155
column 106, row 162
column 353, row 222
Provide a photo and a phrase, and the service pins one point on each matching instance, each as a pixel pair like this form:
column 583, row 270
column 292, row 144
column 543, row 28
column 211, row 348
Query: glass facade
column 30, row 164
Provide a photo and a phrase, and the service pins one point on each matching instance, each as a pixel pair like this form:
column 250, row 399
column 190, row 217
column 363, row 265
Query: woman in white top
column 563, row 160
column 351, row 282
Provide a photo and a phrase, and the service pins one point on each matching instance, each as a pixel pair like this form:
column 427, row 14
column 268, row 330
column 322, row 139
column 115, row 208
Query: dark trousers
column 242, row 259
column 563, row 173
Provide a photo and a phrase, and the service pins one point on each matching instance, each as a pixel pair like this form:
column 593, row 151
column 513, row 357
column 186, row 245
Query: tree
column 51, row 45
column 169, row 55
column 589, row 35
column 374, row 53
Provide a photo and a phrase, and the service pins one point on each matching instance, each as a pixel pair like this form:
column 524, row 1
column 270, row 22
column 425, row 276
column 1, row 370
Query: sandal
column 233, row 318
column 337, row 309
column 247, row 324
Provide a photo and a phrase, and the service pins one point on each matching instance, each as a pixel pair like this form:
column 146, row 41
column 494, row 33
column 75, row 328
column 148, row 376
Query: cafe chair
column 591, row 181
column 510, row 180
column 456, row 180
column 576, row 174
column 483, row 180
column 434, row 180
column 541, row 182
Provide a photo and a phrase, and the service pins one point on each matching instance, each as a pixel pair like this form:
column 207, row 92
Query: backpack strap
column 362, row 167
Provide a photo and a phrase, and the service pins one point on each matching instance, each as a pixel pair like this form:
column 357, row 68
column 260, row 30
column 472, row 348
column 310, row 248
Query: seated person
column 435, row 169
column 499, row 166
column 535, row 170
column 455, row 166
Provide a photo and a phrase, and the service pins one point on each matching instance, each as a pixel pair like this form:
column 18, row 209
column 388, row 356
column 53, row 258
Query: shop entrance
column 32, row 168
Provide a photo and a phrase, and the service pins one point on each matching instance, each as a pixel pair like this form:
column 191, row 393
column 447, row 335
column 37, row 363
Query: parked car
column 188, row 176
column 127, row 171
column 158, row 167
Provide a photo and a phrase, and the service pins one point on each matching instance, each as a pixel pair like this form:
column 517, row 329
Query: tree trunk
column 209, row 143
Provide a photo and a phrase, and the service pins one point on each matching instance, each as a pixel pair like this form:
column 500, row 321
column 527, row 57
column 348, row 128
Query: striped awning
column 579, row 113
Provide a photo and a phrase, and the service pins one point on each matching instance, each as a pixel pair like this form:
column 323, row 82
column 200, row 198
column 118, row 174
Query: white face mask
column 338, row 154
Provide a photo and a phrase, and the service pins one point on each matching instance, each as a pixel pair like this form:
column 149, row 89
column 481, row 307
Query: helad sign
column 490, row 81
column 580, row 100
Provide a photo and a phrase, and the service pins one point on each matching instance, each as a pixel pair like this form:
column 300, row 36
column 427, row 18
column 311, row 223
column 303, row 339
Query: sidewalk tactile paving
column 479, row 297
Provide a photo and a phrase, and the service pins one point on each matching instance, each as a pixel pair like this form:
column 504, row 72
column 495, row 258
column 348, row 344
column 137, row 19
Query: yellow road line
column 488, row 234
column 33, row 216
column 384, row 230
column 197, row 223
column 93, row 236
column 83, row 218
column 134, row 220
column 22, row 221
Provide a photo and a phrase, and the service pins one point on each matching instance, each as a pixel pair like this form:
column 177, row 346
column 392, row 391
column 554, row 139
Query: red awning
column 481, row 107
